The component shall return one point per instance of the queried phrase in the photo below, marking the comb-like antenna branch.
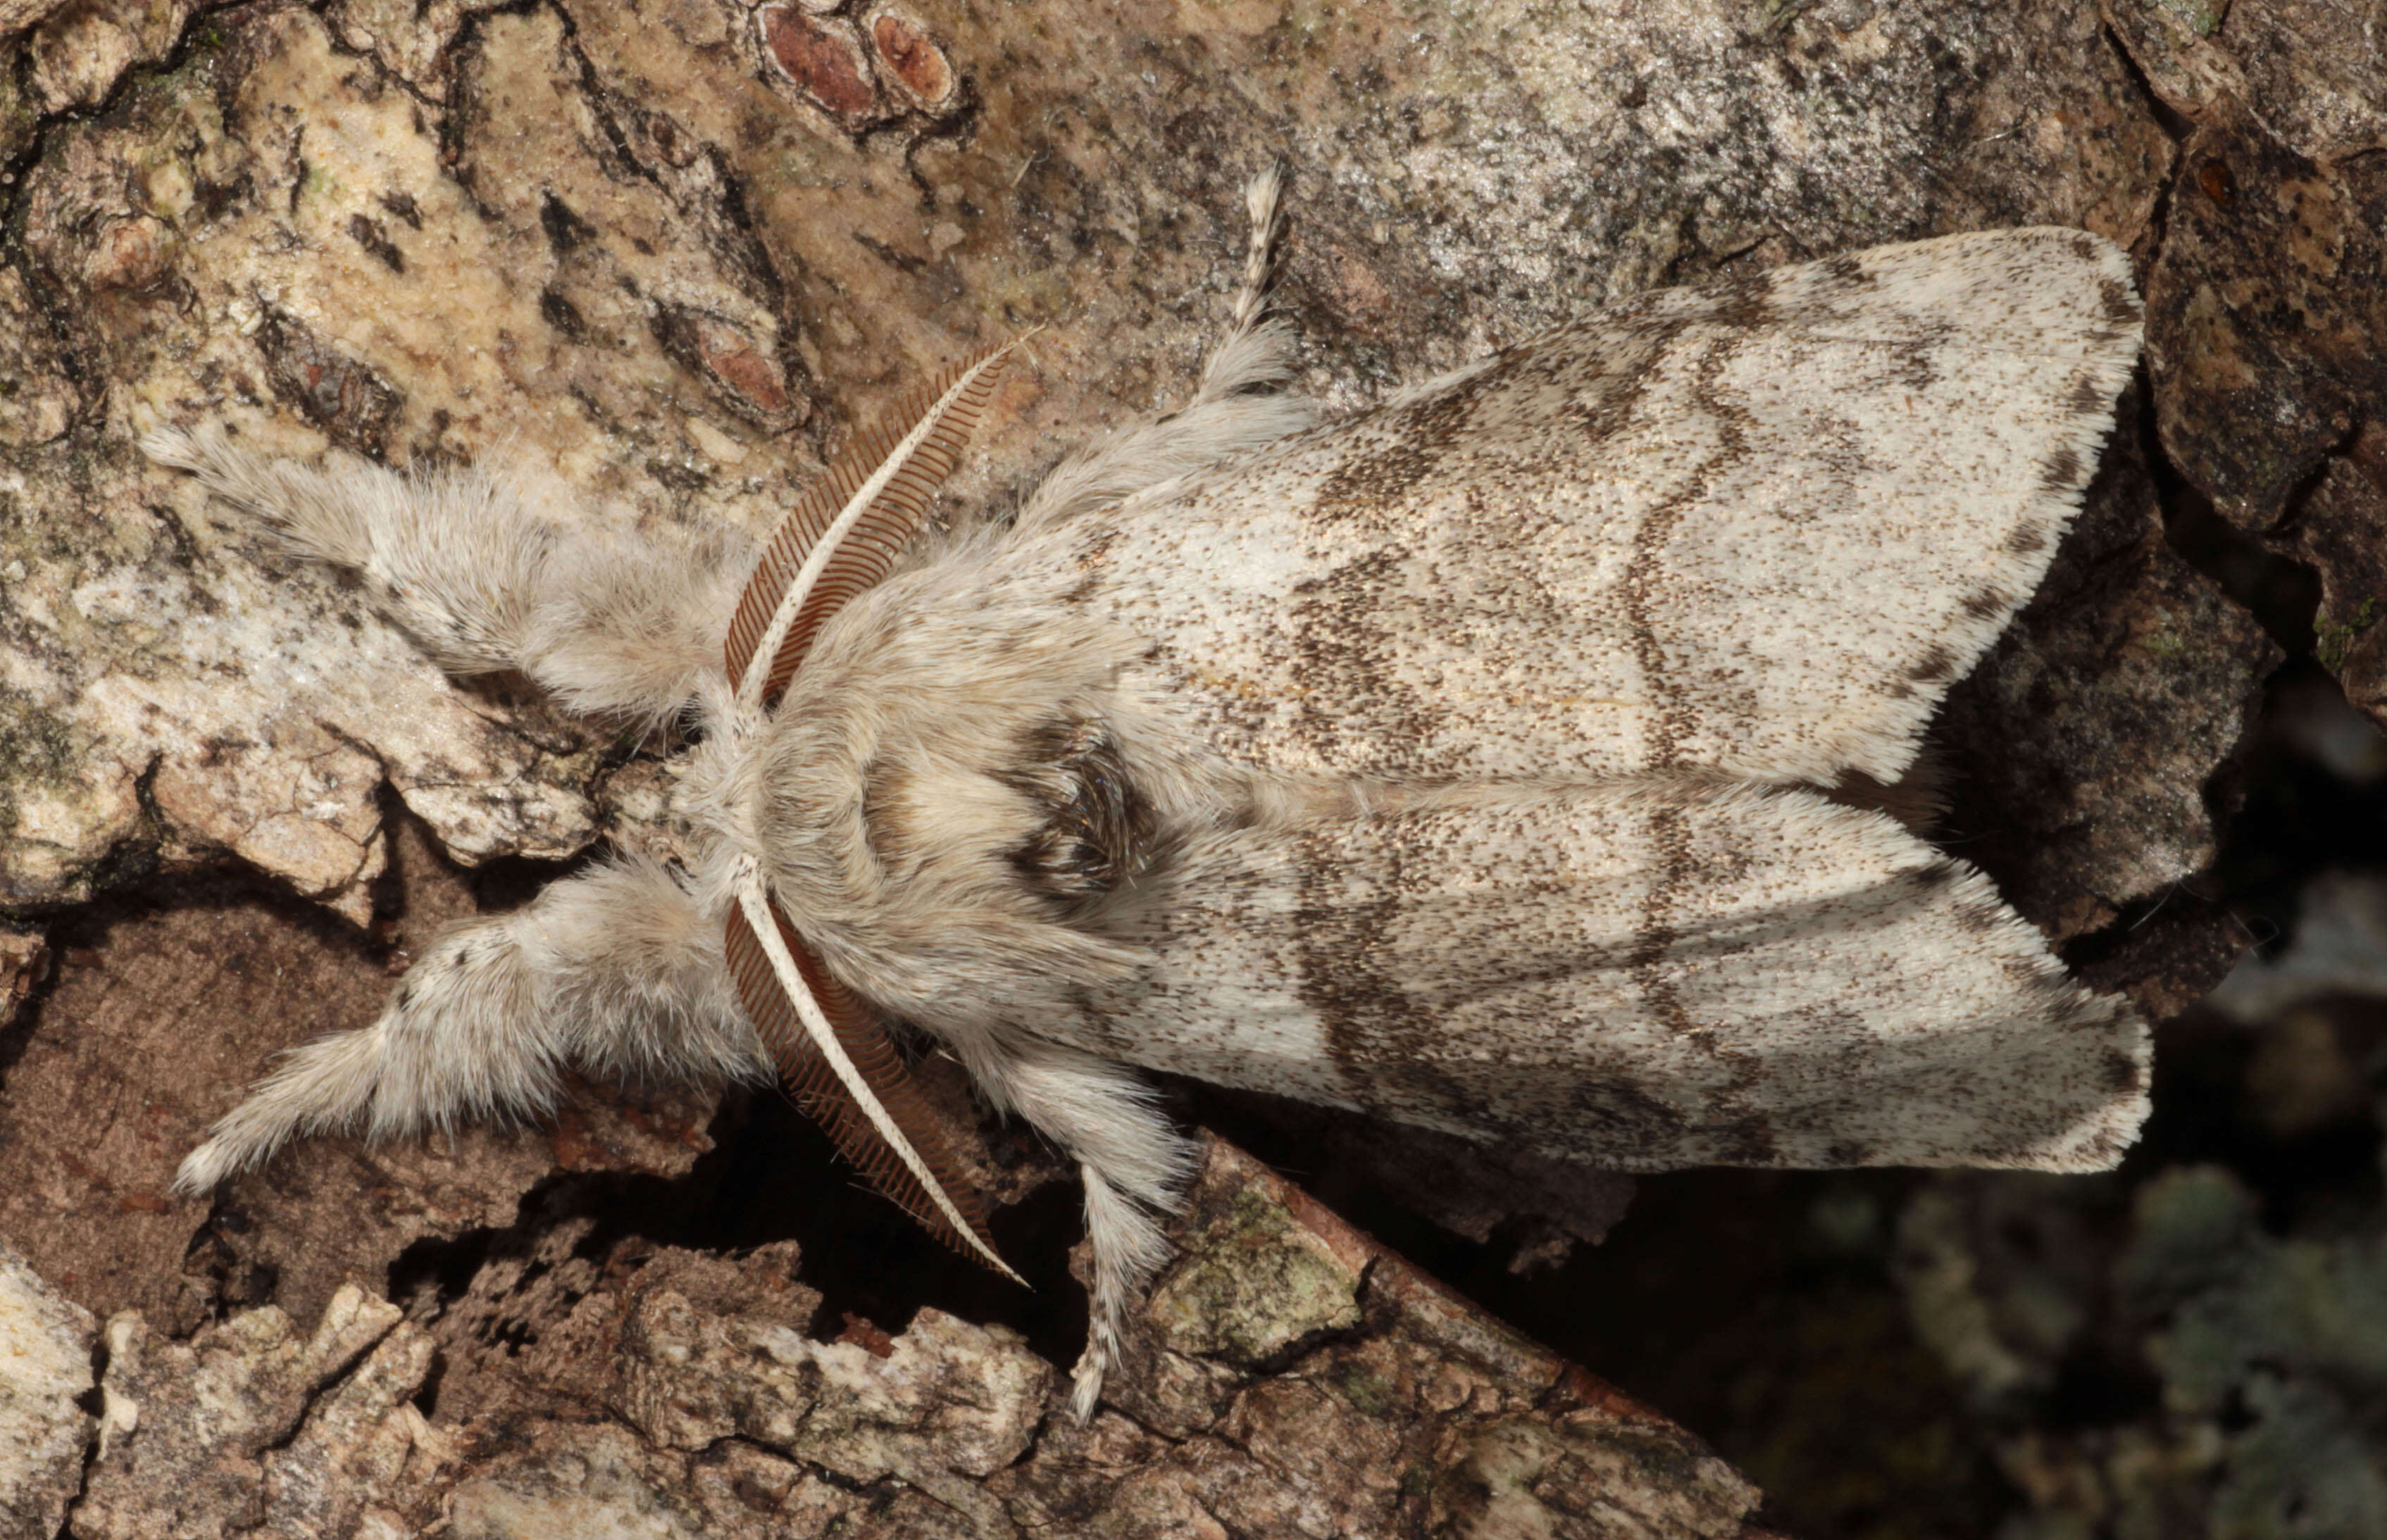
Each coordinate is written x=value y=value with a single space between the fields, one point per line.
x=754 y=904
x=860 y=544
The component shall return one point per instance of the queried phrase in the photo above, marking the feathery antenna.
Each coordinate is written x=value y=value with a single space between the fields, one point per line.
x=848 y=530
x=846 y=1075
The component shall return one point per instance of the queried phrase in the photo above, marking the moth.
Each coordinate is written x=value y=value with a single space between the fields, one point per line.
x=1492 y=760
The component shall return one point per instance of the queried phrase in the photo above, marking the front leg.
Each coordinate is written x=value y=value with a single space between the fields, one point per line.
x=616 y=970
x=482 y=567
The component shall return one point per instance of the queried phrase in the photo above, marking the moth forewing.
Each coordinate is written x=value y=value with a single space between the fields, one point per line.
x=1759 y=529
x=1641 y=974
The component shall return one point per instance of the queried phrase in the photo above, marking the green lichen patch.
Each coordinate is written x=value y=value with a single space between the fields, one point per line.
x=2255 y=1306
x=2281 y=1344
x=36 y=750
x=1365 y=1388
x=2333 y=641
x=17 y=117
x=2277 y=1348
x=1516 y=1476
x=1255 y=1283
x=39 y=753
x=2203 y=15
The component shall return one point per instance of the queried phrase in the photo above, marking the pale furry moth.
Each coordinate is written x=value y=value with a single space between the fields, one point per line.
x=1475 y=762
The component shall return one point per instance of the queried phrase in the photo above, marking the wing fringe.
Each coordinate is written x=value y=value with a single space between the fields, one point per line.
x=863 y=512
x=946 y=1205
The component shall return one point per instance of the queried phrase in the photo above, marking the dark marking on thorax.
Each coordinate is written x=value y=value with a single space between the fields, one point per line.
x=1097 y=831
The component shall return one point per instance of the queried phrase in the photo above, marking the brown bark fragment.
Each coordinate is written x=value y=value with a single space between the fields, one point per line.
x=2315 y=69
x=913 y=59
x=2127 y=677
x=2340 y=528
x=2263 y=314
x=822 y=55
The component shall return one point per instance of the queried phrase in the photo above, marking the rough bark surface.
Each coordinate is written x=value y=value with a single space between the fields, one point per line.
x=1293 y=1377
x=679 y=249
x=45 y=1347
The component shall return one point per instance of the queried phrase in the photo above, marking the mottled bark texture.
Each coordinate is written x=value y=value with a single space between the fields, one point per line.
x=678 y=249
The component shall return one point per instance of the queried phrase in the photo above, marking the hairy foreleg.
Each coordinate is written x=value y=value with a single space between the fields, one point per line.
x=614 y=970
x=1134 y=1166
x=477 y=564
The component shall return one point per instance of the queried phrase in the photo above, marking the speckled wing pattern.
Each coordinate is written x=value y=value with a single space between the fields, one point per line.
x=1579 y=621
x=1531 y=965
x=1759 y=529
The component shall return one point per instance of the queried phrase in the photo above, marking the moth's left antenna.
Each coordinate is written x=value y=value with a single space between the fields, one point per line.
x=846 y=533
x=848 y=1076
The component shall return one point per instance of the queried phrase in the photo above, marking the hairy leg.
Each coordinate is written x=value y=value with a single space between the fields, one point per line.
x=1132 y=1163
x=613 y=970
x=472 y=564
x=1236 y=408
